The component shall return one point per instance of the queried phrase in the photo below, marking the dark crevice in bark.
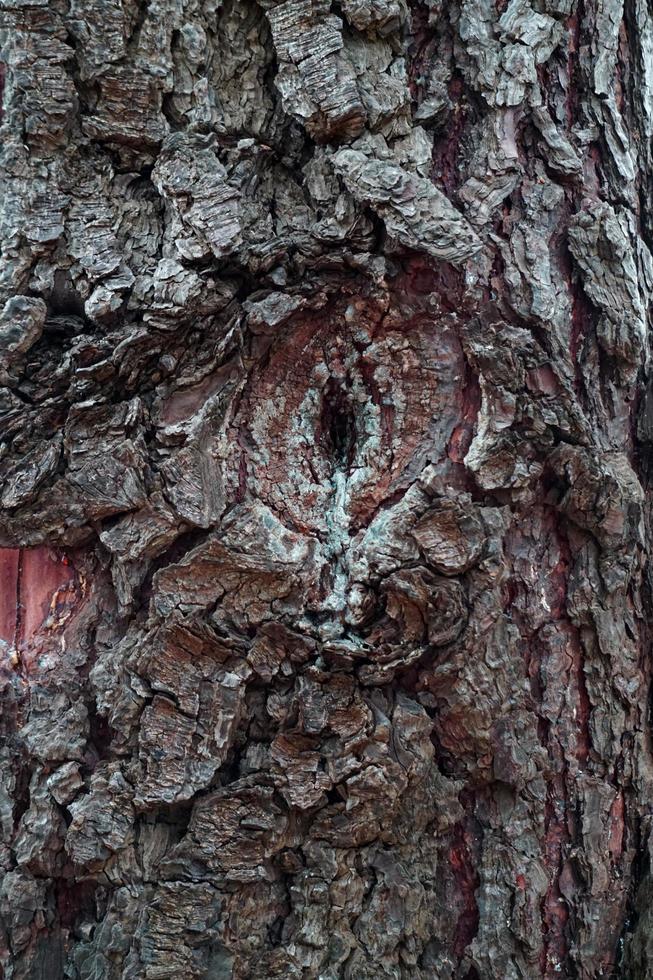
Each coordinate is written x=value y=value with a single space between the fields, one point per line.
x=338 y=423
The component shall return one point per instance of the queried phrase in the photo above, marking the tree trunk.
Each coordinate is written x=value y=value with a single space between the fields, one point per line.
x=325 y=514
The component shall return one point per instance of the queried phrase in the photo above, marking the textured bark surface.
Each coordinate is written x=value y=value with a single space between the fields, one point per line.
x=326 y=433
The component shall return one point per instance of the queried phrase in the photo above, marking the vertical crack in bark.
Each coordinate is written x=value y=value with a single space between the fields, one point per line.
x=339 y=424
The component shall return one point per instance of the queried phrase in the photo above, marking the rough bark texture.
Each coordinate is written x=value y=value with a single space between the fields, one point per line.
x=326 y=438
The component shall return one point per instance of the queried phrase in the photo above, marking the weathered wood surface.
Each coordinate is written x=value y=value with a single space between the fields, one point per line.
x=326 y=430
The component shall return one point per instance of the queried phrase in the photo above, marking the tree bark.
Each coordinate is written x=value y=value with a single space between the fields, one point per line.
x=326 y=425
